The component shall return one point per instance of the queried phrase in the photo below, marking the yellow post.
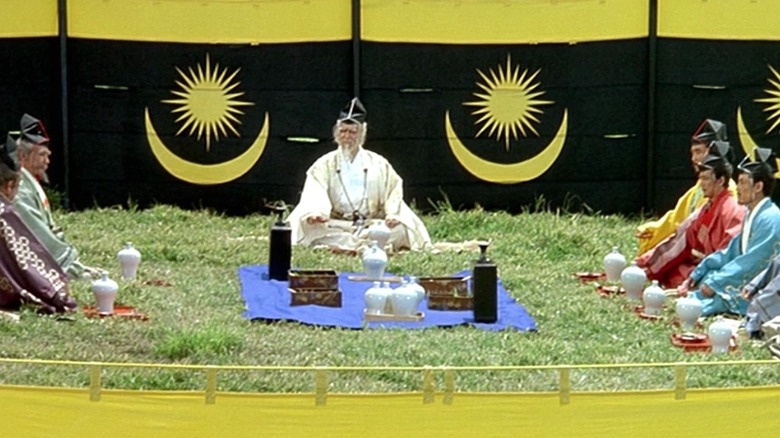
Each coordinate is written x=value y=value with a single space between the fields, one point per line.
x=321 y=386
x=428 y=385
x=564 y=383
x=211 y=386
x=679 y=382
x=94 y=382
x=449 y=386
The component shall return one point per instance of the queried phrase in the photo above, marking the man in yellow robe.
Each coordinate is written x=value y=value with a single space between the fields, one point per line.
x=652 y=233
x=348 y=188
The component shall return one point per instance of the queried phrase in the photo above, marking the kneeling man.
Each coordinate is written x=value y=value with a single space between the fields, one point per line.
x=347 y=188
x=718 y=280
x=707 y=230
x=28 y=273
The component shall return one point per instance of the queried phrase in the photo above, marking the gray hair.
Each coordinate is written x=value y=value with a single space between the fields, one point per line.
x=24 y=145
x=362 y=128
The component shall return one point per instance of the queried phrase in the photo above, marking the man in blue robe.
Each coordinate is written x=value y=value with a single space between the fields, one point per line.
x=718 y=280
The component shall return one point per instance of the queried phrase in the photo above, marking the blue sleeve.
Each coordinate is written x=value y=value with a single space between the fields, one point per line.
x=717 y=259
x=762 y=247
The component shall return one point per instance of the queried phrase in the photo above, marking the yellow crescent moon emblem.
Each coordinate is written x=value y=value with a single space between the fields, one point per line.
x=206 y=174
x=507 y=173
x=748 y=144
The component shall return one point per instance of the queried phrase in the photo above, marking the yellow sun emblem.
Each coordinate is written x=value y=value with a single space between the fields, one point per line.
x=207 y=104
x=509 y=103
x=773 y=100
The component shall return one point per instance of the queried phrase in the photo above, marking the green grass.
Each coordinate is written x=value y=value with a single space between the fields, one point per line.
x=197 y=319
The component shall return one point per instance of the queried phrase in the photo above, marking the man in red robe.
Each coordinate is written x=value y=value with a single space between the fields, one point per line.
x=28 y=273
x=707 y=230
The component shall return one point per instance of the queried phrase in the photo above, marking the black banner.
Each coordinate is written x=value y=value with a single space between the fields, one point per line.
x=497 y=105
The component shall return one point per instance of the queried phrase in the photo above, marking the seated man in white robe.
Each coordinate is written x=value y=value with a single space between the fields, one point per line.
x=348 y=188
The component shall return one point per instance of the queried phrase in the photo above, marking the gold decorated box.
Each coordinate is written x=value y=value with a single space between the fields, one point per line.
x=447 y=293
x=317 y=296
x=313 y=279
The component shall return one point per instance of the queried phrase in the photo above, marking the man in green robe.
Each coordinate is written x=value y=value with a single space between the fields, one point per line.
x=32 y=203
x=28 y=273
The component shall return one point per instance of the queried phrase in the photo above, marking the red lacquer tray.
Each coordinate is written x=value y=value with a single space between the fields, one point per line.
x=587 y=277
x=126 y=312
x=609 y=291
x=690 y=342
x=640 y=311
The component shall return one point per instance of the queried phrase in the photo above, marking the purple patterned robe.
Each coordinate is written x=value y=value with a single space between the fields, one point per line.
x=28 y=273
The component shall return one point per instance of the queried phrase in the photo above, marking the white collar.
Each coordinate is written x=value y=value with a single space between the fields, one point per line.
x=749 y=223
x=758 y=206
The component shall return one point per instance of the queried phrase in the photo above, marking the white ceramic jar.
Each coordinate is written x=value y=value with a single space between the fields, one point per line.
x=388 y=292
x=129 y=259
x=375 y=299
x=614 y=262
x=688 y=310
x=633 y=279
x=720 y=334
x=405 y=300
x=105 y=290
x=653 y=299
x=379 y=232
x=415 y=285
x=374 y=262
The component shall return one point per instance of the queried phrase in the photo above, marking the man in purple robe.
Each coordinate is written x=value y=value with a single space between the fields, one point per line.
x=28 y=273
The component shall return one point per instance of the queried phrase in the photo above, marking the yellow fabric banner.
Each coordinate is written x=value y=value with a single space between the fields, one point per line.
x=28 y=18
x=211 y=21
x=426 y=21
x=497 y=22
x=727 y=20
x=69 y=412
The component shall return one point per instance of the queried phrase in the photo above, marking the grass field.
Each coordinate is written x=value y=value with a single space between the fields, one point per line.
x=198 y=319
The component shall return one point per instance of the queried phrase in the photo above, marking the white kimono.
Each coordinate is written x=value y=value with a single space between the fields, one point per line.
x=337 y=188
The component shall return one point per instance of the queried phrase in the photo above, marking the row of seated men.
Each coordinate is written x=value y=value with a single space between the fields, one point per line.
x=36 y=260
x=344 y=191
x=715 y=247
x=718 y=248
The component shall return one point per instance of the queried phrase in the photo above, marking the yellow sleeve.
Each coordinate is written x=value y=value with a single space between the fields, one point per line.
x=666 y=224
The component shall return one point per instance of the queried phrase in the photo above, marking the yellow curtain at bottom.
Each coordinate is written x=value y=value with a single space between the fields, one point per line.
x=30 y=411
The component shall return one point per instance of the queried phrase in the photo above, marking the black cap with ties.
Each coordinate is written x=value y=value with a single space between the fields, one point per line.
x=764 y=161
x=353 y=112
x=33 y=130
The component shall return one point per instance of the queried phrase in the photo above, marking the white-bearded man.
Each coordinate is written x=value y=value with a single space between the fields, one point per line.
x=348 y=188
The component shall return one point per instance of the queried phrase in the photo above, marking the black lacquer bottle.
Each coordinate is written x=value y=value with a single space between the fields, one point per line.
x=280 y=248
x=484 y=278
